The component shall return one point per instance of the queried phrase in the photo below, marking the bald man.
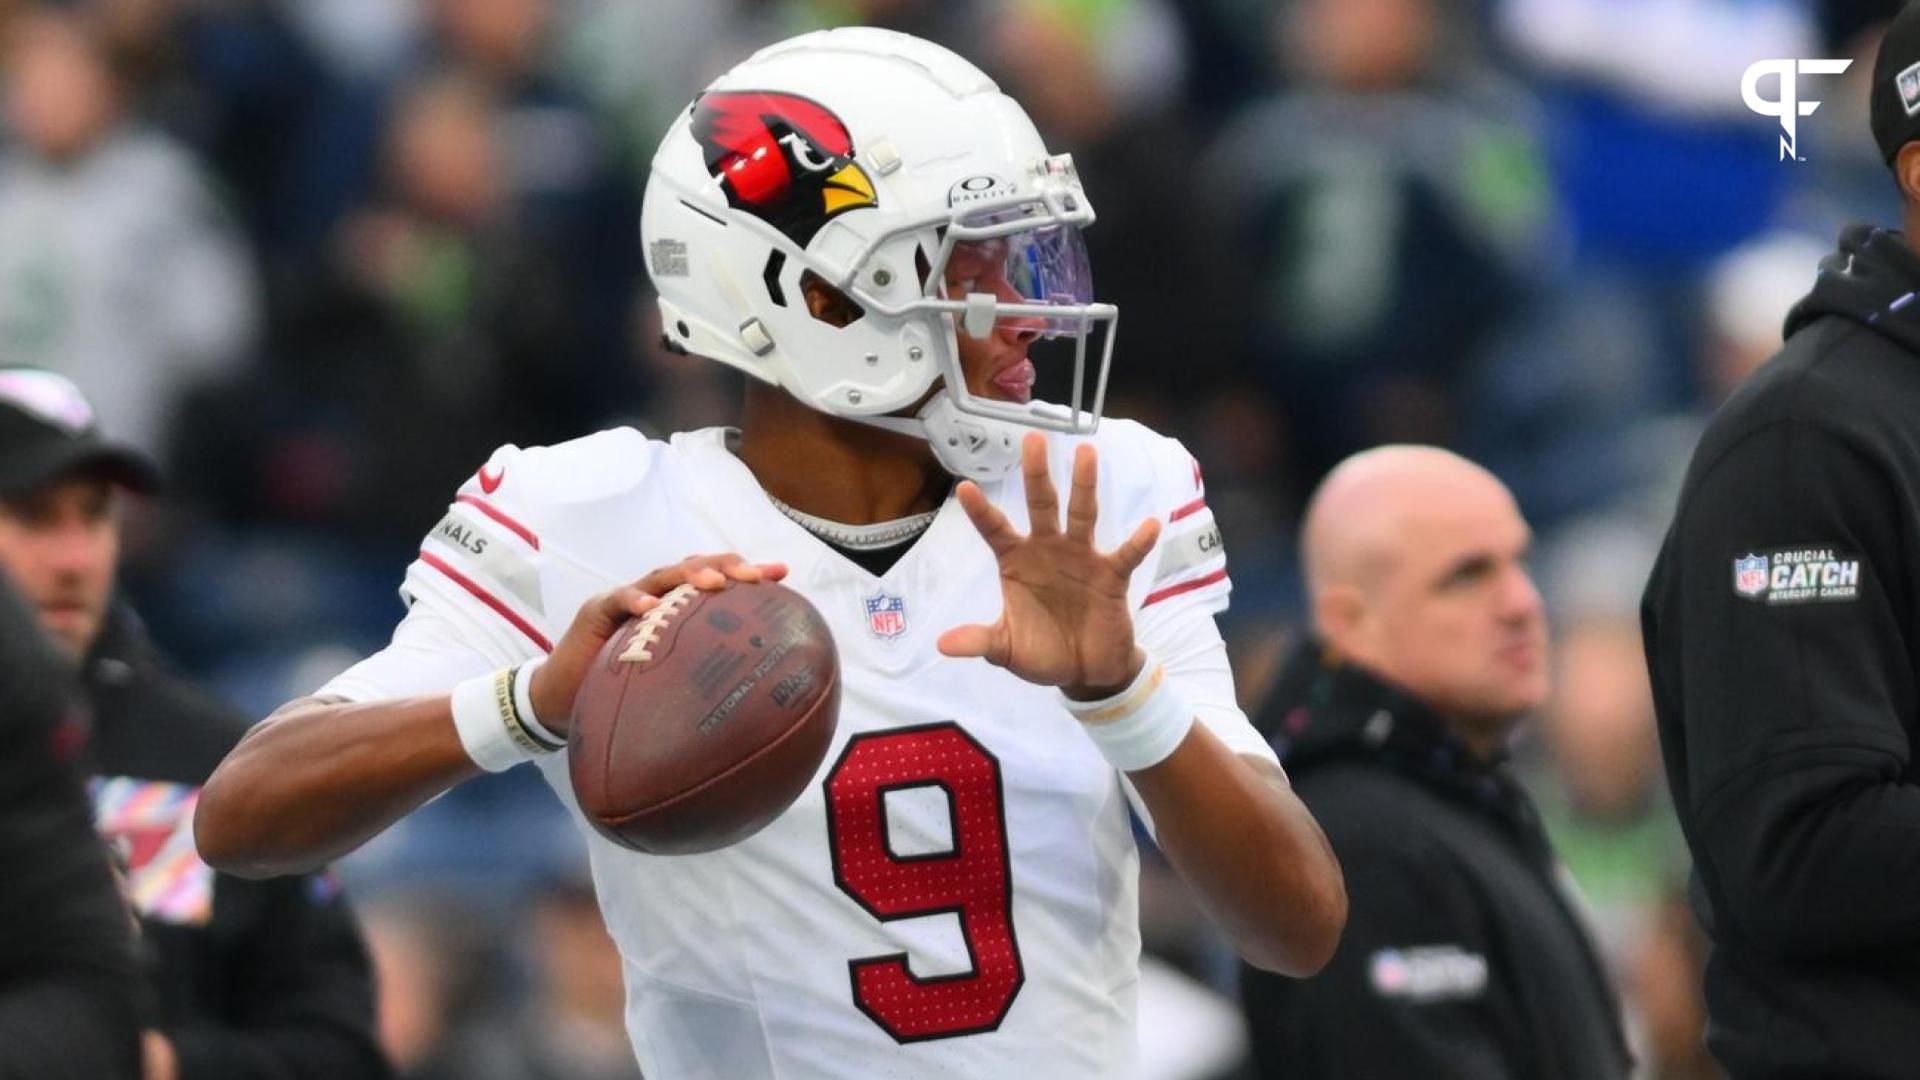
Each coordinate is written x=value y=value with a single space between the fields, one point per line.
x=1463 y=958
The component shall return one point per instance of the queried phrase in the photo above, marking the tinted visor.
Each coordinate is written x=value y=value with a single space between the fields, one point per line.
x=1045 y=265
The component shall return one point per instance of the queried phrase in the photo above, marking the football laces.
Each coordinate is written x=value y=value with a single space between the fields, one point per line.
x=639 y=648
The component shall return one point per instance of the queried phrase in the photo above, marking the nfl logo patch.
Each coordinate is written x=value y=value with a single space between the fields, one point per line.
x=1908 y=83
x=1750 y=575
x=886 y=616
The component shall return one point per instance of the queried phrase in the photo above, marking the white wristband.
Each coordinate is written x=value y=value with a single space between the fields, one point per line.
x=523 y=704
x=488 y=723
x=1139 y=726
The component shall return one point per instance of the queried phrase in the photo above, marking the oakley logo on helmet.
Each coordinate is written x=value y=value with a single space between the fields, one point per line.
x=782 y=158
x=1787 y=107
x=977 y=189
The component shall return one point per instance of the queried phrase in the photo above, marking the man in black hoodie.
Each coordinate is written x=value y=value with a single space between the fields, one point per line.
x=1782 y=630
x=1463 y=959
x=66 y=938
x=244 y=979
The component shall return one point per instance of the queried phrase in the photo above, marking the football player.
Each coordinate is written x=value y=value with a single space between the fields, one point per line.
x=862 y=222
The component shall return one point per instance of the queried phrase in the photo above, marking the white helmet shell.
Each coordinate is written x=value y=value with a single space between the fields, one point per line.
x=862 y=157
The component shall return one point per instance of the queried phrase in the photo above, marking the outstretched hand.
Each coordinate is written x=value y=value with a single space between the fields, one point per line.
x=1064 y=620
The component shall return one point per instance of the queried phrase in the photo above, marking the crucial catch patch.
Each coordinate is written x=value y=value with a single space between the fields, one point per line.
x=1801 y=575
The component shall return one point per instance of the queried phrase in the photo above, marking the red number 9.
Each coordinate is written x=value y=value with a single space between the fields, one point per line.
x=973 y=880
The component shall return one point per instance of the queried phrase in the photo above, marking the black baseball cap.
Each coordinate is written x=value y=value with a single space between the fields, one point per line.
x=1895 y=103
x=47 y=431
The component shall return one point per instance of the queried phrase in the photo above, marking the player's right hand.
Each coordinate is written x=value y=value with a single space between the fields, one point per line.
x=557 y=681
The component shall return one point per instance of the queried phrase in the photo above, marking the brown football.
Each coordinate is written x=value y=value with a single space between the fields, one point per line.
x=702 y=720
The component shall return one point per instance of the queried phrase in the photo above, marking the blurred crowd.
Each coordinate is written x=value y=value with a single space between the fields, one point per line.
x=322 y=257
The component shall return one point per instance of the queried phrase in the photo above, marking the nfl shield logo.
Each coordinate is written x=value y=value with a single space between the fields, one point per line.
x=1750 y=575
x=886 y=616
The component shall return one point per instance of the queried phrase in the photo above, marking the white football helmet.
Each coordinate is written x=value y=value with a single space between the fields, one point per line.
x=866 y=159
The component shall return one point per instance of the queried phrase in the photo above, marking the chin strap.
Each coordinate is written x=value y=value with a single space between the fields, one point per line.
x=970 y=447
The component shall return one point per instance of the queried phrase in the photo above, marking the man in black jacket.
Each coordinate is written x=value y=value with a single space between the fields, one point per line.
x=66 y=937
x=247 y=979
x=1782 y=630
x=1463 y=958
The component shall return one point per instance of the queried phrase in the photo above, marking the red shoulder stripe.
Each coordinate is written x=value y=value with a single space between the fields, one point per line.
x=500 y=516
x=1185 y=587
x=1188 y=510
x=488 y=599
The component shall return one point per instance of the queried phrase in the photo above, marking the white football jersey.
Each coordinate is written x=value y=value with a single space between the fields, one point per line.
x=954 y=895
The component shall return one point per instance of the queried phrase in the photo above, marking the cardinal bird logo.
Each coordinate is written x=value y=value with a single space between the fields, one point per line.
x=782 y=158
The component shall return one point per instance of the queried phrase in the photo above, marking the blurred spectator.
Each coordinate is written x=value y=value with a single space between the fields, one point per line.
x=571 y=1022
x=1387 y=212
x=1567 y=413
x=442 y=1016
x=1749 y=291
x=67 y=974
x=366 y=39
x=248 y=978
x=1605 y=474
x=1658 y=167
x=1462 y=957
x=1553 y=402
x=119 y=268
x=555 y=163
x=426 y=946
x=1603 y=801
x=1599 y=728
x=445 y=324
x=418 y=247
x=484 y=287
x=640 y=60
x=237 y=84
x=455 y=300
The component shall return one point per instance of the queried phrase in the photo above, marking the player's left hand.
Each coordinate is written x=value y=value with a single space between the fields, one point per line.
x=1064 y=620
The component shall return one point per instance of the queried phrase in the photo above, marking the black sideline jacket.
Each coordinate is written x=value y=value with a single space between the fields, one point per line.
x=1782 y=628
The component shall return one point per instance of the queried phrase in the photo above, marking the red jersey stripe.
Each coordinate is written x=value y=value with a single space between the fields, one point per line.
x=488 y=599
x=496 y=514
x=1185 y=587
x=1188 y=510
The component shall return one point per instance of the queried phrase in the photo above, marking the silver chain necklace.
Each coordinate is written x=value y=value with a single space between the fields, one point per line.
x=882 y=534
